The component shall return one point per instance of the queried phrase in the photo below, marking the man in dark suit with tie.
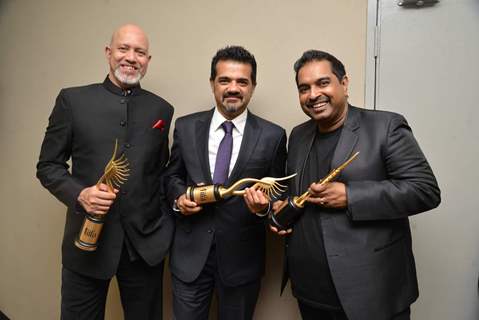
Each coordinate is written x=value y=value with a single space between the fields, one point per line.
x=83 y=126
x=222 y=245
x=349 y=255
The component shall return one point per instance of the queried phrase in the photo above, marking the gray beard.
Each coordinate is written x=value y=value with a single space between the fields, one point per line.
x=231 y=109
x=128 y=80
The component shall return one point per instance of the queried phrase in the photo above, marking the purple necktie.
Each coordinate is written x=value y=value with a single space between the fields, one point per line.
x=223 y=157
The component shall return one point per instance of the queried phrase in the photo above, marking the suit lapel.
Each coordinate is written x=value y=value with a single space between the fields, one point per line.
x=348 y=138
x=303 y=152
x=251 y=135
x=202 y=128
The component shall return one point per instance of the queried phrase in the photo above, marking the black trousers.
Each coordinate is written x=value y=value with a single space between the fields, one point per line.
x=311 y=313
x=140 y=291
x=191 y=301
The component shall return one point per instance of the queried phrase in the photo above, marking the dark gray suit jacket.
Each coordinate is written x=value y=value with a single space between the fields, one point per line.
x=239 y=235
x=83 y=126
x=368 y=245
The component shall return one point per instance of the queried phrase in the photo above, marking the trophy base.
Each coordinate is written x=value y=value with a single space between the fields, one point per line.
x=276 y=224
x=204 y=194
x=85 y=246
x=286 y=216
x=90 y=232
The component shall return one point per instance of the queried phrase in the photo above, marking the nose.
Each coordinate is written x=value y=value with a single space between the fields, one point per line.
x=233 y=87
x=130 y=56
x=315 y=93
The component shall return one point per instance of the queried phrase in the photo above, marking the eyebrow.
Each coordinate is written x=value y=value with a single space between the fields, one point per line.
x=324 y=78
x=229 y=78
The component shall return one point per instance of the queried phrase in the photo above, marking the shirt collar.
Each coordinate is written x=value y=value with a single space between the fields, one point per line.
x=113 y=88
x=239 y=122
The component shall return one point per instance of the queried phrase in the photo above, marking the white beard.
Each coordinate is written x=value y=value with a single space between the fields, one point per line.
x=127 y=79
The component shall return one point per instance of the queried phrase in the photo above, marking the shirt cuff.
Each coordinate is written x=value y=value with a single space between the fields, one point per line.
x=175 y=207
x=264 y=212
x=176 y=211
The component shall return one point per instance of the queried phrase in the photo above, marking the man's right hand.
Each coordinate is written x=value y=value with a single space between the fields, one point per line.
x=97 y=199
x=186 y=206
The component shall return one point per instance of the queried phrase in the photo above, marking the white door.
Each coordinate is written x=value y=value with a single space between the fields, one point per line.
x=423 y=62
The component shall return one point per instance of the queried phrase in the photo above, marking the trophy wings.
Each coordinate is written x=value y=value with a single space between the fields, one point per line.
x=116 y=170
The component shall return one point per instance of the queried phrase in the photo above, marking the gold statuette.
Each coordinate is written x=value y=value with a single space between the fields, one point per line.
x=213 y=193
x=115 y=174
x=292 y=208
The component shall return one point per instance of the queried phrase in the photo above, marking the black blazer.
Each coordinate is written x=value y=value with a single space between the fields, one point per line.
x=83 y=126
x=239 y=235
x=368 y=245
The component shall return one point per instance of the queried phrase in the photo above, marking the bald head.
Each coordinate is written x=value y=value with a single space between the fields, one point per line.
x=129 y=29
x=128 y=55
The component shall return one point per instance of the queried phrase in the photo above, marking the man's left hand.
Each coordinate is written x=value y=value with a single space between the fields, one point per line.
x=329 y=195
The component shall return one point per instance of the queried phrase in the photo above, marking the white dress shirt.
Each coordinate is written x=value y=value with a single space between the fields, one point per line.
x=217 y=133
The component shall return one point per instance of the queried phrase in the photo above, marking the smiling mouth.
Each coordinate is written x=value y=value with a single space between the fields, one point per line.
x=128 y=67
x=317 y=106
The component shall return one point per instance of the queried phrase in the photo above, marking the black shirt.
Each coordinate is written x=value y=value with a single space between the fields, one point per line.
x=307 y=262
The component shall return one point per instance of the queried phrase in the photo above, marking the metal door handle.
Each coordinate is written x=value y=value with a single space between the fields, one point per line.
x=417 y=3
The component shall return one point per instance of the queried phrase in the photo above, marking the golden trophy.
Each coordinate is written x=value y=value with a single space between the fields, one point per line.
x=213 y=193
x=292 y=208
x=115 y=174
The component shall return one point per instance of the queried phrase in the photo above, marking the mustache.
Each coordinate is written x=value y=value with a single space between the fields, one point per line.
x=319 y=99
x=232 y=95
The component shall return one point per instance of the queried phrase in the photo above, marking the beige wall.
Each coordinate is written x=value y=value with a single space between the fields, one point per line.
x=47 y=45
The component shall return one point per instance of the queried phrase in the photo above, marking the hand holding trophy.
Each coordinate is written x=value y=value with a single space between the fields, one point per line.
x=115 y=174
x=292 y=208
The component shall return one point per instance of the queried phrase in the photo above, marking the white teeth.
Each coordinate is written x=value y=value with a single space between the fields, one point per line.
x=319 y=105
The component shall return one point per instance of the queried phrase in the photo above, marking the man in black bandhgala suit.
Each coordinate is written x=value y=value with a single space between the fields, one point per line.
x=136 y=235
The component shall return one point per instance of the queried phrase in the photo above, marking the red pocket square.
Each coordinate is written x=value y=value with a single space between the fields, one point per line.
x=160 y=124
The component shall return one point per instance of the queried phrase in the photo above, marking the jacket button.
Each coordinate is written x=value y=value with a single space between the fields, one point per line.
x=122 y=123
x=127 y=145
x=122 y=100
x=210 y=231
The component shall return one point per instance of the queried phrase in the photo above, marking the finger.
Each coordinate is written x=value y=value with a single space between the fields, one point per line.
x=105 y=195
x=102 y=193
x=189 y=204
x=248 y=196
x=255 y=196
x=102 y=202
x=190 y=211
x=103 y=187
x=101 y=211
x=317 y=200
x=277 y=205
x=261 y=198
x=317 y=187
x=274 y=229
x=102 y=208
